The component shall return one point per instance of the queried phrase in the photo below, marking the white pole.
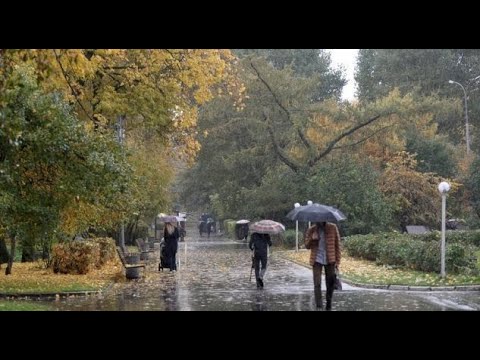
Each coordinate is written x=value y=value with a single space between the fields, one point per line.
x=120 y=136
x=444 y=202
x=122 y=237
x=185 y=244
x=296 y=235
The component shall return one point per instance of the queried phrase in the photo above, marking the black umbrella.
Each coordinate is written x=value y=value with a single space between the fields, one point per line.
x=316 y=213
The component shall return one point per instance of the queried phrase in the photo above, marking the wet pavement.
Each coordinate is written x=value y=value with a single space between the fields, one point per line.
x=214 y=275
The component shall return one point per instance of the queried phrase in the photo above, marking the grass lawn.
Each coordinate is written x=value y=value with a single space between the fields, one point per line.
x=32 y=277
x=367 y=272
x=13 y=305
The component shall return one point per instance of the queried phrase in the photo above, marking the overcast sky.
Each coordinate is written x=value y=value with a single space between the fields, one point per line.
x=348 y=58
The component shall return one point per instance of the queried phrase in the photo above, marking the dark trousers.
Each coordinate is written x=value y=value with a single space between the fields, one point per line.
x=329 y=280
x=256 y=261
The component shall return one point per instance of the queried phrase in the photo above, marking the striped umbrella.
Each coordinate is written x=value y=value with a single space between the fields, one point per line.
x=168 y=218
x=267 y=227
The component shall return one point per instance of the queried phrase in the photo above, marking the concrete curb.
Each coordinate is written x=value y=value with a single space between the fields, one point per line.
x=394 y=287
x=56 y=294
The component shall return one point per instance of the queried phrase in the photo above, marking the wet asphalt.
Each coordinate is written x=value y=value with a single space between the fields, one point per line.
x=214 y=275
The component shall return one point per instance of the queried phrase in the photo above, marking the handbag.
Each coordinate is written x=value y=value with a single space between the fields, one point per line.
x=338 y=282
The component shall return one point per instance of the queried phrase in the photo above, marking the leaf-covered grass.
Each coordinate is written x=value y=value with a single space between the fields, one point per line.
x=13 y=305
x=367 y=272
x=34 y=278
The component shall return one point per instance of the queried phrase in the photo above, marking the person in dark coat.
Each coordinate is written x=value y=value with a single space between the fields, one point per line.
x=259 y=245
x=170 y=236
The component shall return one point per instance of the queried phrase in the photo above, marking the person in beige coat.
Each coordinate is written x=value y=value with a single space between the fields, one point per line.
x=323 y=240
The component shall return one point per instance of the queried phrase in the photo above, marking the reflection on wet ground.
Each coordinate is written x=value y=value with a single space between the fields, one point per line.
x=214 y=274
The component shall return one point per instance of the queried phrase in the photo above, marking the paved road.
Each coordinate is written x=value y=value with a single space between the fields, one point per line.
x=214 y=276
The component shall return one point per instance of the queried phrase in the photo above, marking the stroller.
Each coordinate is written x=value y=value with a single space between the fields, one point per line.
x=164 y=263
x=164 y=260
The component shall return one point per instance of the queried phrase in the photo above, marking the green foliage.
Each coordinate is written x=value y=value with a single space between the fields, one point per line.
x=424 y=72
x=352 y=187
x=403 y=250
x=473 y=185
x=433 y=155
x=229 y=226
x=48 y=160
x=462 y=237
x=289 y=239
x=305 y=63
x=236 y=150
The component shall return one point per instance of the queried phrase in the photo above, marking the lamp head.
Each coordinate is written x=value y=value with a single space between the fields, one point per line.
x=444 y=187
x=309 y=202
x=296 y=205
x=450 y=81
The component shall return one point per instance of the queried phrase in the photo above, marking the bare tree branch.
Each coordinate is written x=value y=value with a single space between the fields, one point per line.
x=364 y=139
x=275 y=97
x=332 y=144
x=74 y=92
x=278 y=150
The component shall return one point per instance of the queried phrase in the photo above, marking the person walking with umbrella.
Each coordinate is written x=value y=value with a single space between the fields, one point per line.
x=323 y=240
x=259 y=243
x=171 y=235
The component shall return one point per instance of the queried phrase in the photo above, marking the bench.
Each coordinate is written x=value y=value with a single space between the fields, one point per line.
x=132 y=271
x=143 y=248
x=417 y=229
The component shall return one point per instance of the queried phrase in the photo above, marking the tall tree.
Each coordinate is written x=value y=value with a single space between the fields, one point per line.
x=48 y=160
x=306 y=63
x=156 y=91
x=425 y=71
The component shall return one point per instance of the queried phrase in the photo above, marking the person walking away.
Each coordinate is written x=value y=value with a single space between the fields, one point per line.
x=323 y=240
x=258 y=244
x=209 y=226
x=171 y=236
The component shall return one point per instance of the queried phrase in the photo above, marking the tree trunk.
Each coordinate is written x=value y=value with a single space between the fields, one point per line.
x=28 y=253
x=8 y=270
x=3 y=252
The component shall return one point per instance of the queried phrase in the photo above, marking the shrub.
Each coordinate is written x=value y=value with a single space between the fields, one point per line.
x=289 y=239
x=229 y=226
x=418 y=252
x=76 y=257
x=107 y=249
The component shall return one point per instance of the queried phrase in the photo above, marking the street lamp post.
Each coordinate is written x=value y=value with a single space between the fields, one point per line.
x=120 y=138
x=296 y=230
x=467 y=131
x=443 y=187
x=309 y=202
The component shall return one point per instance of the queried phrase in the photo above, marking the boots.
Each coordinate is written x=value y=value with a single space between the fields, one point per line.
x=318 y=297
x=329 y=303
x=260 y=278
x=259 y=283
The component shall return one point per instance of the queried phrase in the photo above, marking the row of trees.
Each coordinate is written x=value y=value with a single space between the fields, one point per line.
x=62 y=169
x=268 y=126
x=379 y=159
